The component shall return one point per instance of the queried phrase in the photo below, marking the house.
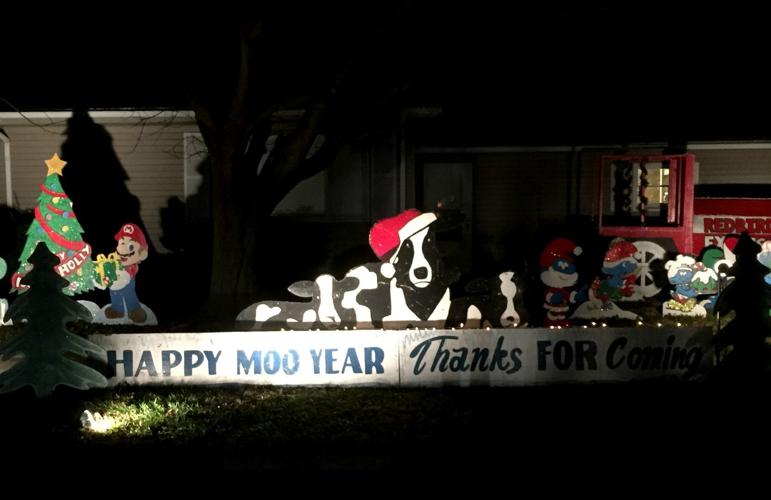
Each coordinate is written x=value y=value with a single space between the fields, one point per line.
x=496 y=196
x=153 y=147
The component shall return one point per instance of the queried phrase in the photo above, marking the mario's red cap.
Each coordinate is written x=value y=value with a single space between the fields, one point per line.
x=132 y=231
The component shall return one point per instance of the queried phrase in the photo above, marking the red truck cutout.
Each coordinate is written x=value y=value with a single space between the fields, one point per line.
x=653 y=197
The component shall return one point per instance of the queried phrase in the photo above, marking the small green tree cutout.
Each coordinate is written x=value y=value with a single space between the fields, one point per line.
x=43 y=313
x=749 y=296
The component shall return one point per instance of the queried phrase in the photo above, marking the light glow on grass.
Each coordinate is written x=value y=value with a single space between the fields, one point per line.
x=95 y=422
x=138 y=418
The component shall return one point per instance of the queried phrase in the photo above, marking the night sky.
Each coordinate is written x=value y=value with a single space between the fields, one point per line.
x=539 y=74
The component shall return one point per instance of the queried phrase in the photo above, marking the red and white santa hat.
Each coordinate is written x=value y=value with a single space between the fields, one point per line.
x=387 y=235
x=559 y=249
x=729 y=247
x=132 y=231
x=621 y=250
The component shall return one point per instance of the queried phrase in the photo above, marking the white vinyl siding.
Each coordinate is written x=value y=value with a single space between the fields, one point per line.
x=734 y=166
x=151 y=154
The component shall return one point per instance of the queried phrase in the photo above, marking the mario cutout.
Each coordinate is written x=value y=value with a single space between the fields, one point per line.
x=620 y=264
x=559 y=274
x=117 y=273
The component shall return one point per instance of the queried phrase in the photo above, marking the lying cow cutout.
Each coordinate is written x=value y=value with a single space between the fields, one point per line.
x=407 y=288
x=320 y=312
x=418 y=286
x=493 y=302
x=365 y=306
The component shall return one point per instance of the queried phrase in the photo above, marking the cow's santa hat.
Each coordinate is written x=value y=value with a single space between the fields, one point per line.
x=619 y=251
x=559 y=249
x=387 y=235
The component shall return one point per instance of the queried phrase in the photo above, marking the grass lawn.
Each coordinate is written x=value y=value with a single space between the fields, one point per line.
x=360 y=431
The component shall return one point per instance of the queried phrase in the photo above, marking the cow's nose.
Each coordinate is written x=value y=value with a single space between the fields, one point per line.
x=421 y=273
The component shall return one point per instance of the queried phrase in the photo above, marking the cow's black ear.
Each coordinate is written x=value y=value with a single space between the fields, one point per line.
x=303 y=288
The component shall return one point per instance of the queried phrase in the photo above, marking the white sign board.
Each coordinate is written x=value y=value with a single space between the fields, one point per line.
x=266 y=358
x=498 y=357
x=537 y=356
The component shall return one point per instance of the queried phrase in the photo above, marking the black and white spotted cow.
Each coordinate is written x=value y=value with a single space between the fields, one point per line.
x=365 y=305
x=409 y=287
x=495 y=302
x=418 y=291
x=321 y=311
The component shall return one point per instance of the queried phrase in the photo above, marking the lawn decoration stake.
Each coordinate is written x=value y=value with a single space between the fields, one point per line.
x=43 y=311
x=55 y=225
x=118 y=272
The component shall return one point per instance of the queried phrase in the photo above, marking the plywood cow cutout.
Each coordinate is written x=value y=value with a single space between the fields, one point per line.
x=408 y=287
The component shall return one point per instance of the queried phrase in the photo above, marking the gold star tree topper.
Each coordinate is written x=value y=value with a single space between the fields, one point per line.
x=55 y=165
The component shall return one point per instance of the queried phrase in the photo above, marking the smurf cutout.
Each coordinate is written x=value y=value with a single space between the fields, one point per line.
x=559 y=274
x=620 y=264
x=690 y=279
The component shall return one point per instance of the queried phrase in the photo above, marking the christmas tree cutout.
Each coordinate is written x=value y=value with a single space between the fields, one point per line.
x=55 y=225
x=43 y=312
x=749 y=297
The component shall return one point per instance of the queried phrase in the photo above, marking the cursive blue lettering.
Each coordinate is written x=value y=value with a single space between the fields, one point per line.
x=456 y=359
